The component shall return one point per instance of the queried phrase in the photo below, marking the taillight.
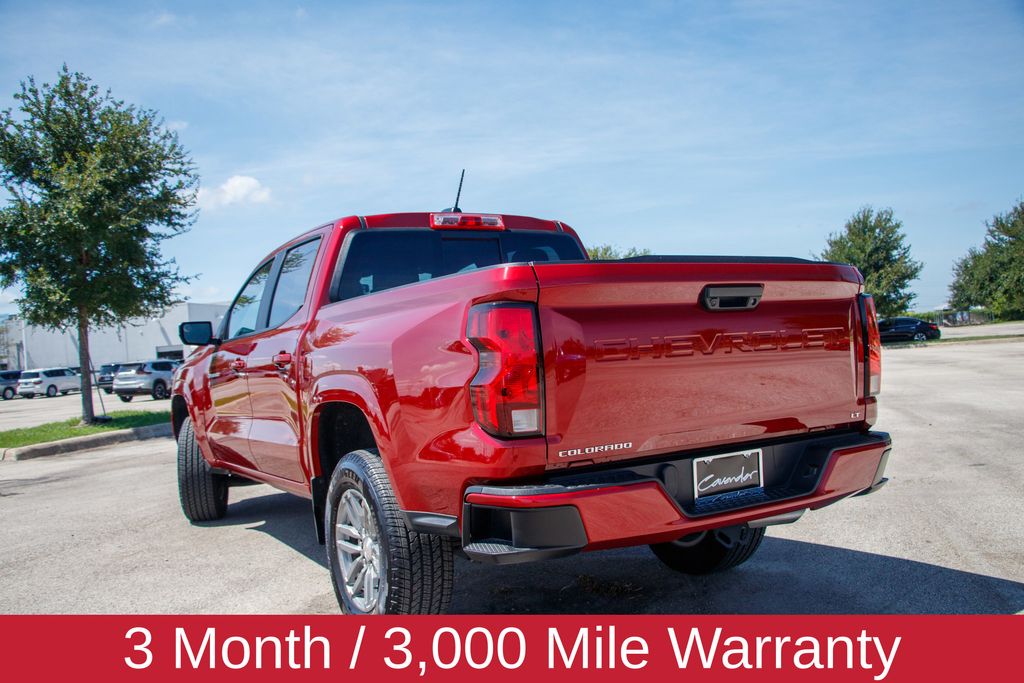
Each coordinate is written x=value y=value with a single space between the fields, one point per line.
x=872 y=346
x=508 y=391
x=933 y=326
x=466 y=221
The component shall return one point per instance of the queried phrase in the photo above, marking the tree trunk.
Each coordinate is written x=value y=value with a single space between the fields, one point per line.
x=85 y=366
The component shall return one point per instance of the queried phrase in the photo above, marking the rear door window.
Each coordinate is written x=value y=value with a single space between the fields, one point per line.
x=290 y=291
x=162 y=366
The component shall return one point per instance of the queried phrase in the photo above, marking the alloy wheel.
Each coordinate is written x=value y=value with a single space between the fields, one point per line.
x=360 y=555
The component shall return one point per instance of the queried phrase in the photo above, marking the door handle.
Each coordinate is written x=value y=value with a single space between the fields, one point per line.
x=237 y=365
x=282 y=359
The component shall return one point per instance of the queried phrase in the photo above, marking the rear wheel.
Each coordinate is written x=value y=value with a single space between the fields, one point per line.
x=707 y=552
x=159 y=391
x=127 y=398
x=920 y=336
x=51 y=391
x=379 y=566
x=8 y=393
x=203 y=493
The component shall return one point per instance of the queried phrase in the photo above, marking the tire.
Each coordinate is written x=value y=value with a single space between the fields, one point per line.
x=414 y=571
x=160 y=391
x=127 y=398
x=8 y=394
x=64 y=393
x=51 y=391
x=920 y=336
x=203 y=493
x=711 y=551
x=108 y=391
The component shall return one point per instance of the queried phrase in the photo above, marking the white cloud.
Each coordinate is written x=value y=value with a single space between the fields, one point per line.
x=238 y=189
x=165 y=19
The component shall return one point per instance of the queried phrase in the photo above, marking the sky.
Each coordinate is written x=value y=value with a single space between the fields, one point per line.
x=752 y=128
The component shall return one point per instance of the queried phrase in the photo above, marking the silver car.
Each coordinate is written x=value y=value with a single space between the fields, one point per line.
x=48 y=382
x=144 y=378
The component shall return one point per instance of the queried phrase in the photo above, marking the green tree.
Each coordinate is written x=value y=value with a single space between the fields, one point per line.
x=94 y=186
x=874 y=242
x=608 y=252
x=993 y=276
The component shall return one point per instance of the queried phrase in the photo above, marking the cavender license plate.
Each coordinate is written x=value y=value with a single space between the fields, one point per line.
x=727 y=472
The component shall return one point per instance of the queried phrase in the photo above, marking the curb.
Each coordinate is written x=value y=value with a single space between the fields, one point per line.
x=81 y=443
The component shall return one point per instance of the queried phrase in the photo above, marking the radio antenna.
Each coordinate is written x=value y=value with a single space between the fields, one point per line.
x=455 y=208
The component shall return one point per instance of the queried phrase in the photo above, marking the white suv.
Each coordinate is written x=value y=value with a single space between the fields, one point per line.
x=47 y=382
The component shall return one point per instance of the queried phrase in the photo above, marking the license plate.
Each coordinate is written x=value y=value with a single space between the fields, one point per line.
x=728 y=472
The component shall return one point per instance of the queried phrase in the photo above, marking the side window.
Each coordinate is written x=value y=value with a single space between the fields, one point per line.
x=290 y=292
x=243 y=313
x=162 y=367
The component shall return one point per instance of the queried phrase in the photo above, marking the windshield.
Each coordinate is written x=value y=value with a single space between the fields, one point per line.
x=108 y=368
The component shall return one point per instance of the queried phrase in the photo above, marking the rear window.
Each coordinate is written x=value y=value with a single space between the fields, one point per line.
x=379 y=260
x=108 y=368
x=129 y=367
x=30 y=375
x=9 y=375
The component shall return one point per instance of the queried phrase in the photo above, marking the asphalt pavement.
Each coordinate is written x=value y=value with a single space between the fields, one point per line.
x=102 y=531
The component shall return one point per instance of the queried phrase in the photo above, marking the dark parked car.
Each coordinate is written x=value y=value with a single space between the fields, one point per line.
x=9 y=383
x=907 y=329
x=105 y=377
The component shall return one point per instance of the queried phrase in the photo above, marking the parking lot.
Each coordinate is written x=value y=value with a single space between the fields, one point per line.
x=102 y=531
x=27 y=413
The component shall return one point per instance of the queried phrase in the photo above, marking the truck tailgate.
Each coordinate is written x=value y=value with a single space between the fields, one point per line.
x=635 y=364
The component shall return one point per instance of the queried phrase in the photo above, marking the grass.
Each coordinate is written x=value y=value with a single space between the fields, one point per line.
x=55 y=431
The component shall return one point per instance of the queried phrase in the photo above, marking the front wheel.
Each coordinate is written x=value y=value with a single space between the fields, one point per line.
x=203 y=493
x=127 y=398
x=379 y=566
x=707 y=552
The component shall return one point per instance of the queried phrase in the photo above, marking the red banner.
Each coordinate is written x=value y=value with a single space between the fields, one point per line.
x=843 y=648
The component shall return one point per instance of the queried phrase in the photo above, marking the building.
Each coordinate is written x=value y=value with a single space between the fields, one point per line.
x=23 y=347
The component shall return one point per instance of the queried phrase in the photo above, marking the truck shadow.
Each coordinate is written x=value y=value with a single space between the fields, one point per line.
x=784 y=577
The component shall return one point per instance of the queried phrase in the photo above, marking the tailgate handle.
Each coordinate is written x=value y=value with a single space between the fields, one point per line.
x=731 y=297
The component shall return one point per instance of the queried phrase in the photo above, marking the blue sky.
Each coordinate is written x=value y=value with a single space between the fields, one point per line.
x=719 y=127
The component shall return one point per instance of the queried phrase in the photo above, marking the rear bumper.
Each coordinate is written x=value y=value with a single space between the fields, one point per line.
x=132 y=390
x=637 y=504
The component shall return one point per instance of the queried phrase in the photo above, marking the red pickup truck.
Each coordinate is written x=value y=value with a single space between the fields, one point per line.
x=450 y=382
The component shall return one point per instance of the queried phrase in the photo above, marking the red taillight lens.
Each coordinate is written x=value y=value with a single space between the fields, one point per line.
x=872 y=347
x=933 y=326
x=466 y=221
x=507 y=392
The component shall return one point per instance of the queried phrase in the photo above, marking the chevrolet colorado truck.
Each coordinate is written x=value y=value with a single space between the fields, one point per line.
x=441 y=383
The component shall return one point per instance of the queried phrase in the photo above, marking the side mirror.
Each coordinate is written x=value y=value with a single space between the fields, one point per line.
x=197 y=333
